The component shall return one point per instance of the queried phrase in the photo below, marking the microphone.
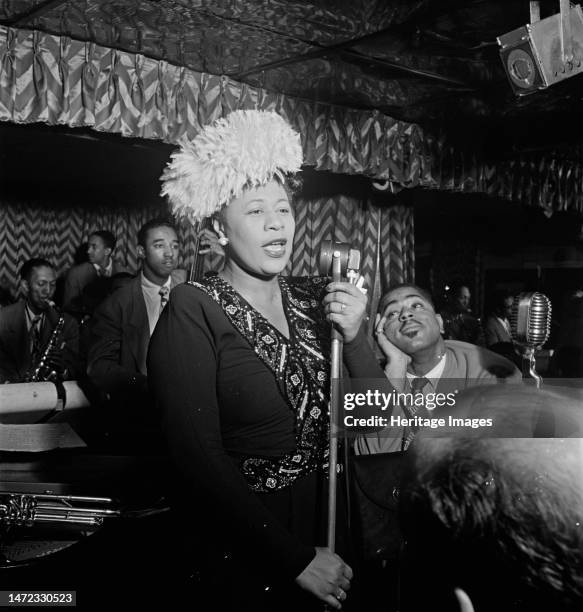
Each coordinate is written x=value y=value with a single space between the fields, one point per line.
x=334 y=255
x=530 y=321
x=530 y=325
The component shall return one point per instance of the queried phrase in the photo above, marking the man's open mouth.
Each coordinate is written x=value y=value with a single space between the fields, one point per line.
x=410 y=331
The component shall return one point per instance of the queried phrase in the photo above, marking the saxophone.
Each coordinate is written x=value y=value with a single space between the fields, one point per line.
x=49 y=367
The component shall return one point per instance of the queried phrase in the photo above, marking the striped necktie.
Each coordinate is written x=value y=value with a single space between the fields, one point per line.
x=417 y=386
x=35 y=337
x=163 y=293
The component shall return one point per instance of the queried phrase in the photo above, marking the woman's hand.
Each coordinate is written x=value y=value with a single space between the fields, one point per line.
x=209 y=243
x=327 y=577
x=345 y=305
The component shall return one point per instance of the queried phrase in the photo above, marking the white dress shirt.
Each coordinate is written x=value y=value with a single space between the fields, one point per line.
x=151 y=293
x=107 y=271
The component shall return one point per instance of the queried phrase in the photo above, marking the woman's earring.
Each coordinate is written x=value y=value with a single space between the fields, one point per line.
x=223 y=240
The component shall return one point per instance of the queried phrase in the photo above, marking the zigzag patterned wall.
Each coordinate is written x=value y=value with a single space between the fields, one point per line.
x=35 y=229
x=383 y=235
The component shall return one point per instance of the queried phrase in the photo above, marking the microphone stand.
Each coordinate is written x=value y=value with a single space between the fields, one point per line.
x=335 y=375
x=529 y=360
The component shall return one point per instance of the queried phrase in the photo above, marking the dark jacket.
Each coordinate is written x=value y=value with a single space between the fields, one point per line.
x=119 y=340
x=84 y=290
x=15 y=356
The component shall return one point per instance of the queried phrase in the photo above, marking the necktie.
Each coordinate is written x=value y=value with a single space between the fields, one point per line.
x=35 y=339
x=163 y=293
x=418 y=384
x=416 y=409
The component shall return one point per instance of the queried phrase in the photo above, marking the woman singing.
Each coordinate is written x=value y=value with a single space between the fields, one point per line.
x=239 y=364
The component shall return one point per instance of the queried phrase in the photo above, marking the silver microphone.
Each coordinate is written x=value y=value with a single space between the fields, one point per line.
x=530 y=321
x=530 y=324
x=348 y=259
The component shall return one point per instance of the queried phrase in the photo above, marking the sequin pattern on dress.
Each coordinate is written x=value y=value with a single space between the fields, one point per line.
x=300 y=368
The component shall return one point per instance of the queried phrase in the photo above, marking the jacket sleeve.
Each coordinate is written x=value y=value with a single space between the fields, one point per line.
x=183 y=357
x=359 y=357
x=8 y=371
x=491 y=332
x=71 y=290
x=71 y=352
x=104 y=366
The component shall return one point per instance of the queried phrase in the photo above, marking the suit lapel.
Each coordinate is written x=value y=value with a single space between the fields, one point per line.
x=20 y=340
x=139 y=328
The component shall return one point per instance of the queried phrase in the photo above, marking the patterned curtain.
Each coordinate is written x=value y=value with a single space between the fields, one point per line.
x=62 y=81
x=383 y=235
x=35 y=229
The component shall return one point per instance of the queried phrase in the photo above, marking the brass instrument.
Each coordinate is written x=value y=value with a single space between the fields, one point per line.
x=49 y=367
x=30 y=510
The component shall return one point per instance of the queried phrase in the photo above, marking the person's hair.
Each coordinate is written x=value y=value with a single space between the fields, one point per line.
x=31 y=264
x=153 y=224
x=498 y=299
x=455 y=288
x=107 y=237
x=502 y=516
x=422 y=292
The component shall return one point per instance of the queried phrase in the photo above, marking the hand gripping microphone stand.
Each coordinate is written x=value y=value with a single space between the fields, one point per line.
x=340 y=262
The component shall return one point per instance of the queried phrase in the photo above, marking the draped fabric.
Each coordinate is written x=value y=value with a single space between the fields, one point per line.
x=384 y=235
x=61 y=81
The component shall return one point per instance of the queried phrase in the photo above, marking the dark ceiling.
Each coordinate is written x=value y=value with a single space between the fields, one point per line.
x=433 y=62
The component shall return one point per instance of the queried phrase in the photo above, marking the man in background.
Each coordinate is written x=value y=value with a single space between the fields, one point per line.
x=26 y=328
x=497 y=326
x=459 y=323
x=88 y=283
x=122 y=325
x=419 y=360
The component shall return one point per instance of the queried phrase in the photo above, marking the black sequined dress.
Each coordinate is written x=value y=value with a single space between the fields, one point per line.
x=246 y=417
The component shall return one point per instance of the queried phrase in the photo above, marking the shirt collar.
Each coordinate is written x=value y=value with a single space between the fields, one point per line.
x=30 y=316
x=434 y=374
x=149 y=285
x=108 y=269
x=504 y=321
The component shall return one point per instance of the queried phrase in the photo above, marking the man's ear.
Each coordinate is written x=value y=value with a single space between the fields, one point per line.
x=440 y=321
x=25 y=286
x=464 y=601
x=109 y=252
x=141 y=252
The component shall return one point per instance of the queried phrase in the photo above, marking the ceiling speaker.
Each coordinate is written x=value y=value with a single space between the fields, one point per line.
x=533 y=54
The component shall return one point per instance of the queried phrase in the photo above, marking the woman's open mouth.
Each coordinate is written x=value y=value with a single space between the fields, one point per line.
x=275 y=248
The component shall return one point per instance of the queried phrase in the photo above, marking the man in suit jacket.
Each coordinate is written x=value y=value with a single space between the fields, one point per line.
x=87 y=284
x=27 y=326
x=409 y=332
x=122 y=325
x=497 y=327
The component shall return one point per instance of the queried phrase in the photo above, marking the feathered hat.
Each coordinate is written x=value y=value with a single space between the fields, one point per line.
x=248 y=148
